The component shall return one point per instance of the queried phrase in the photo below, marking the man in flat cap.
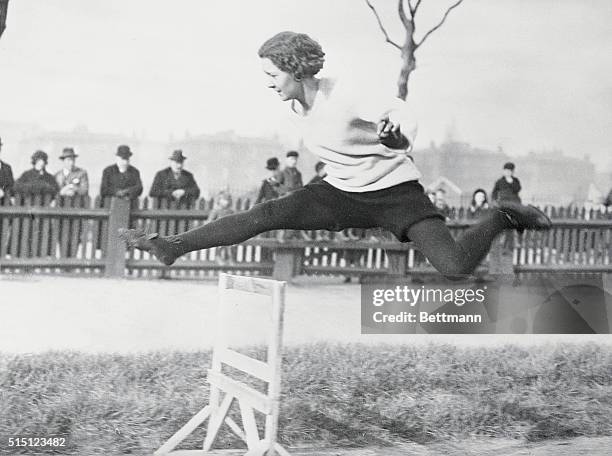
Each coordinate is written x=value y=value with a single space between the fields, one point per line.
x=72 y=180
x=507 y=187
x=121 y=179
x=6 y=180
x=37 y=181
x=174 y=182
x=290 y=178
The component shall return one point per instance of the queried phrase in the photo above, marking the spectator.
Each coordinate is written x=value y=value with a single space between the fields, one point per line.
x=223 y=207
x=6 y=192
x=440 y=203
x=270 y=187
x=72 y=181
x=608 y=200
x=37 y=181
x=507 y=187
x=479 y=203
x=431 y=195
x=6 y=180
x=121 y=179
x=290 y=178
x=320 y=173
x=321 y=235
x=175 y=182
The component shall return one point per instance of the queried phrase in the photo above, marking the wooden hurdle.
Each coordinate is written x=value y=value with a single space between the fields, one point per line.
x=249 y=400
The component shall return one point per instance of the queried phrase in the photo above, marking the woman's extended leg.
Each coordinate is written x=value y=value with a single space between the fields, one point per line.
x=458 y=258
x=297 y=210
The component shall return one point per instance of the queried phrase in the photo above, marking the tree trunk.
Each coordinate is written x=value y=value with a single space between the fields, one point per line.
x=408 y=65
x=3 y=12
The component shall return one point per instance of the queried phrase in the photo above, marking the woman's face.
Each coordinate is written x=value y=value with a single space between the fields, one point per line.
x=282 y=82
x=479 y=198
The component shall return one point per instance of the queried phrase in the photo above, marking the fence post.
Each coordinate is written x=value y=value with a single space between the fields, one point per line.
x=287 y=263
x=397 y=262
x=119 y=217
x=500 y=262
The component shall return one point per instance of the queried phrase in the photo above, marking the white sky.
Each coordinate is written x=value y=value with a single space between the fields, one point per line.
x=523 y=74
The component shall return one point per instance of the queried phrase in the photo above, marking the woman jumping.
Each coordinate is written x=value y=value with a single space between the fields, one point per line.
x=371 y=182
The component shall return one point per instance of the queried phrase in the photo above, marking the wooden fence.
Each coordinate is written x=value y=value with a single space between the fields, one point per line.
x=78 y=236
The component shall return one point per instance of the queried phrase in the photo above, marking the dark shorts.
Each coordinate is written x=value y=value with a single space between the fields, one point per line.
x=395 y=208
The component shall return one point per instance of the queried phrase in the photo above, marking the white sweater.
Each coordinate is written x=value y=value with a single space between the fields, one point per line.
x=342 y=133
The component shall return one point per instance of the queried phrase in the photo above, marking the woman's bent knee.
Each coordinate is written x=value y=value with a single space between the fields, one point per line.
x=454 y=269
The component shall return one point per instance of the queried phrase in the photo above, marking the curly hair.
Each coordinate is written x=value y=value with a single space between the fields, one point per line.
x=295 y=53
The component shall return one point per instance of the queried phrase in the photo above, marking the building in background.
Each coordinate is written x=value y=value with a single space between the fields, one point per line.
x=228 y=161
x=546 y=177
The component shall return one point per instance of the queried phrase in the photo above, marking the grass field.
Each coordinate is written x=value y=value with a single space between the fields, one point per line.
x=333 y=395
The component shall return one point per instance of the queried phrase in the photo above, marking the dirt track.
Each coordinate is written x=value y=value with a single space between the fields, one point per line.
x=100 y=315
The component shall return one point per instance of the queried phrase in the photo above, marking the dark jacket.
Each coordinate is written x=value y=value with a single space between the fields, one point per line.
x=504 y=191
x=6 y=180
x=34 y=182
x=608 y=201
x=290 y=179
x=475 y=212
x=269 y=190
x=165 y=183
x=116 y=183
x=316 y=179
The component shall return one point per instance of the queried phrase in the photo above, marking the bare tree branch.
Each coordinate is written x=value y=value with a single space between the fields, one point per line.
x=382 y=28
x=413 y=9
x=440 y=24
x=402 y=13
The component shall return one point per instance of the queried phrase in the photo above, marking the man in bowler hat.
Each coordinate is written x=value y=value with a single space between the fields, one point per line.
x=72 y=180
x=6 y=180
x=37 y=181
x=121 y=179
x=270 y=187
x=174 y=182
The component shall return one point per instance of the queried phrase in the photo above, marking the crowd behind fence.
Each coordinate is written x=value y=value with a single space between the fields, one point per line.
x=78 y=235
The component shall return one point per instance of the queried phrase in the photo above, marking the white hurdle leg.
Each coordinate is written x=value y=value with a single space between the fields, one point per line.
x=183 y=432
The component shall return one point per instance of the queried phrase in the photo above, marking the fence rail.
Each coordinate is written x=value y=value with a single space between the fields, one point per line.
x=79 y=235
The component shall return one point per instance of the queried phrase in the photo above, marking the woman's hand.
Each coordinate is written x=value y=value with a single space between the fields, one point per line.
x=390 y=134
